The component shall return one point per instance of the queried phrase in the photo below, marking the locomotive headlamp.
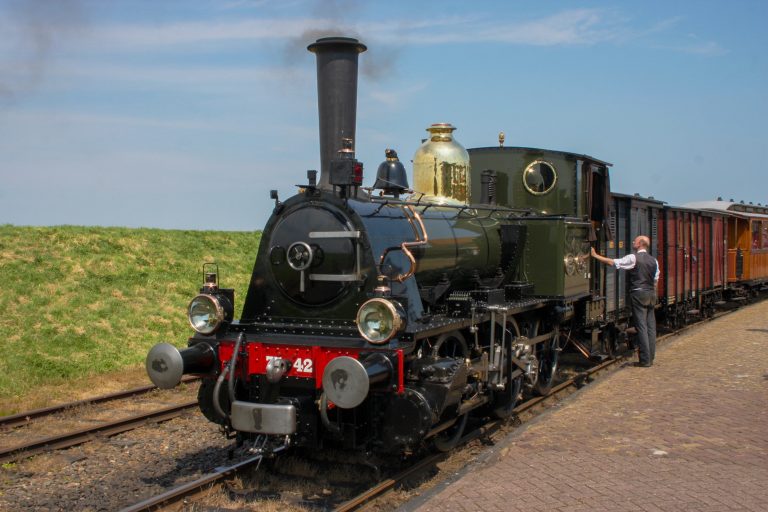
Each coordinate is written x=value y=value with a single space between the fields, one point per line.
x=378 y=320
x=206 y=313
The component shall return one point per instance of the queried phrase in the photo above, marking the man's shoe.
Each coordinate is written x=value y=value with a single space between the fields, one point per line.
x=643 y=365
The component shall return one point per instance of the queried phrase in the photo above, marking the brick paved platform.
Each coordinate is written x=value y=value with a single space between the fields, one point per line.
x=689 y=433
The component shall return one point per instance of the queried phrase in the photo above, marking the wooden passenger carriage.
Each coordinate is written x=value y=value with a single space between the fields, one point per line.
x=746 y=228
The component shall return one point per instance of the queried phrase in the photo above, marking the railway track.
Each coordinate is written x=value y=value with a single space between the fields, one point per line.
x=197 y=489
x=16 y=451
x=192 y=491
x=193 y=488
x=25 y=418
x=76 y=437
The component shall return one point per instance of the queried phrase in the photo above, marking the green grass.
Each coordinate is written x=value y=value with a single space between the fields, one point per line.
x=79 y=301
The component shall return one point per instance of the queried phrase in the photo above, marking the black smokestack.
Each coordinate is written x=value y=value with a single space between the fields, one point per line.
x=336 y=95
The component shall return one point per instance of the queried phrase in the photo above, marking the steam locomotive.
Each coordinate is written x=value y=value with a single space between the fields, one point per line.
x=379 y=319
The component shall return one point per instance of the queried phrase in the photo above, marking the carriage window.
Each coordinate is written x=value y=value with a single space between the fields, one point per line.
x=765 y=234
x=756 y=235
x=539 y=177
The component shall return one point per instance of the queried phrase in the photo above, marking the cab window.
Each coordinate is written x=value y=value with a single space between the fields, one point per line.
x=539 y=177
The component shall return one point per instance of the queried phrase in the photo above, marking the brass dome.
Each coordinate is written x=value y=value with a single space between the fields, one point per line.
x=441 y=170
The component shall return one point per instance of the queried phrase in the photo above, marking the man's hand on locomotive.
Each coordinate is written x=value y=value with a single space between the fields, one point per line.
x=603 y=259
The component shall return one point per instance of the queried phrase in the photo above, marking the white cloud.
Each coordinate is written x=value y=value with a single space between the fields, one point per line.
x=705 y=48
x=569 y=27
x=191 y=76
x=57 y=120
x=564 y=28
x=179 y=33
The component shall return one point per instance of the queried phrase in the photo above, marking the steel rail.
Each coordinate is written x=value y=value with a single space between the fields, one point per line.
x=388 y=484
x=74 y=438
x=24 y=418
x=191 y=488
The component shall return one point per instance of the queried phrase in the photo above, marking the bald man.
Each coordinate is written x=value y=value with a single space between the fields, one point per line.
x=643 y=276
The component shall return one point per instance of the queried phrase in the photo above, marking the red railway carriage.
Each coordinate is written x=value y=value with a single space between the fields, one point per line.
x=747 y=243
x=692 y=262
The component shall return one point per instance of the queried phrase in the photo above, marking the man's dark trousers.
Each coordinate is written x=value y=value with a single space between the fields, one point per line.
x=643 y=302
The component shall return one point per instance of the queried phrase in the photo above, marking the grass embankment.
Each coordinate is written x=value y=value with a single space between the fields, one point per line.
x=84 y=301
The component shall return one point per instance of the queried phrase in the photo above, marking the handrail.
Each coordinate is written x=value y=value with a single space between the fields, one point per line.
x=421 y=239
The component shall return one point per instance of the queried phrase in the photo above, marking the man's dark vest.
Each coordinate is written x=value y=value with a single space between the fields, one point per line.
x=641 y=277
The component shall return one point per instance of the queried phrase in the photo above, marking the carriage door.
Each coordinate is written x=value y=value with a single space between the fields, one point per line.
x=701 y=263
x=679 y=256
x=623 y=245
x=687 y=253
x=695 y=255
x=706 y=242
x=719 y=251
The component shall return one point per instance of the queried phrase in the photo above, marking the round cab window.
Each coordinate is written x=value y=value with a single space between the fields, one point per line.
x=539 y=177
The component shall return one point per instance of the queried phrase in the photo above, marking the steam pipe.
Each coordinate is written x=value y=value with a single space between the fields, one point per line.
x=336 y=96
x=232 y=364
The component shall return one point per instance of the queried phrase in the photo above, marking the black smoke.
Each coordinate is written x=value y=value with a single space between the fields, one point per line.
x=33 y=31
x=379 y=60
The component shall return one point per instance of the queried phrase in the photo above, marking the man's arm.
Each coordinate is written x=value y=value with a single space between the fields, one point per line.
x=602 y=259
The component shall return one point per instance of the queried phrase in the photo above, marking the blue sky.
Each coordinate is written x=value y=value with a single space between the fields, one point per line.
x=184 y=114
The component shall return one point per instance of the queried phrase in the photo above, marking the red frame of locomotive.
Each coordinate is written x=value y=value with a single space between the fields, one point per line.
x=317 y=357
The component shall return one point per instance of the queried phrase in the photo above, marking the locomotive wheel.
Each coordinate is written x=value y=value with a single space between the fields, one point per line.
x=447 y=440
x=452 y=345
x=548 y=354
x=612 y=343
x=205 y=400
x=504 y=402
